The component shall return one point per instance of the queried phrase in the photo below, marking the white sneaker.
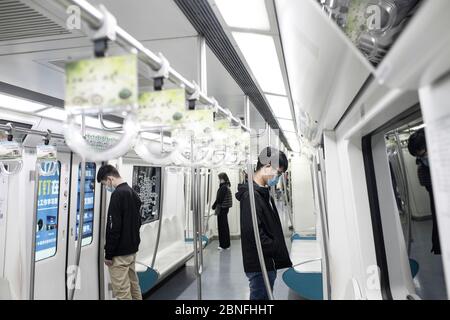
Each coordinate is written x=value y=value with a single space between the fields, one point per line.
x=220 y=248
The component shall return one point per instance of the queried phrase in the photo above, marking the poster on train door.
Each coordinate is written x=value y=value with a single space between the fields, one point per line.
x=47 y=215
x=147 y=184
x=89 y=197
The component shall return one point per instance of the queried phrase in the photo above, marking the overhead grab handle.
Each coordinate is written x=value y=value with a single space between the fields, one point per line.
x=99 y=86
x=106 y=32
x=161 y=74
x=11 y=161
x=194 y=97
x=46 y=157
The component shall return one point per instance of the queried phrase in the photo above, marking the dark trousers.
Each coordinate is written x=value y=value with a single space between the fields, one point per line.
x=224 y=229
x=257 y=287
x=436 y=249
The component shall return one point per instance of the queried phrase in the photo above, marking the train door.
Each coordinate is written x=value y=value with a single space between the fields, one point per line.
x=411 y=265
x=85 y=279
x=51 y=231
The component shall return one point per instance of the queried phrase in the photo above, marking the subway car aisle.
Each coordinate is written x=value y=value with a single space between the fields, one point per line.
x=223 y=278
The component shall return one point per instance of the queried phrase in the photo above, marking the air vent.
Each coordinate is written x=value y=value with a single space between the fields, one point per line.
x=19 y=21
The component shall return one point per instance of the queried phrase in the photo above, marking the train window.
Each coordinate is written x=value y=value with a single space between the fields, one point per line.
x=47 y=215
x=147 y=184
x=89 y=203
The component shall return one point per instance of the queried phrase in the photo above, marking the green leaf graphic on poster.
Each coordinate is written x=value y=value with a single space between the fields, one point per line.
x=200 y=121
x=165 y=107
x=109 y=84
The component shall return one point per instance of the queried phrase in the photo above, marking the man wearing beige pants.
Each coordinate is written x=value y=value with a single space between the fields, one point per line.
x=122 y=234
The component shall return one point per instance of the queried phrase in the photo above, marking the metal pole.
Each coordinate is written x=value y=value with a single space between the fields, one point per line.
x=82 y=186
x=194 y=196
x=323 y=222
x=33 y=132
x=95 y=19
x=102 y=243
x=33 y=231
x=209 y=201
x=286 y=199
x=256 y=230
x=199 y=232
x=160 y=213
x=405 y=177
x=247 y=111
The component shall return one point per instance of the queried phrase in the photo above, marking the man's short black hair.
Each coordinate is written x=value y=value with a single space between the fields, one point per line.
x=417 y=142
x=107 y=171
x=274 y=157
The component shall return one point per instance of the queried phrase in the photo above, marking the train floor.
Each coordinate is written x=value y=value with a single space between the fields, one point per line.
x=223 y=278
x=429 y=282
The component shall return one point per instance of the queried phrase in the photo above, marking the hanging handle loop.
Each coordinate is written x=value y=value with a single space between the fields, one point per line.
x=9 y=167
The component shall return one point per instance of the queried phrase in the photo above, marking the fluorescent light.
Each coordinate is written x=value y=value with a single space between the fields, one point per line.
x=261 y=55
x=54 y=113
x=19 y=104
x=286 y=125
x=280 y=106
x=248 y=14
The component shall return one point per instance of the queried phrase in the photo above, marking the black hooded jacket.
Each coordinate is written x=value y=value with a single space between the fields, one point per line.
x=275 y=252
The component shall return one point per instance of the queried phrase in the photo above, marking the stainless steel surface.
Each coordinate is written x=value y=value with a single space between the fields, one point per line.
x=160 y=213
x=82 y=185
x=33 y=232
x=94 y=18
x=324 y=229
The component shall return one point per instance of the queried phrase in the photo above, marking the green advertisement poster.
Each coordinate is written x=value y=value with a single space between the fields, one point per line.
x=107 y=84
x=162 y=108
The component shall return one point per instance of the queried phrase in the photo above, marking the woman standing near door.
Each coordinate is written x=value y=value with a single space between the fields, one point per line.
x=223 y=203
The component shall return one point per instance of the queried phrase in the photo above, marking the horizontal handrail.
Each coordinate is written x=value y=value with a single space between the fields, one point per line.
x=95 y=18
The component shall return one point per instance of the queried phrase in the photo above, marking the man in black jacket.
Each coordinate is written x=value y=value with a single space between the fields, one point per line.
x=271 y=165
x=417 y=147
x=122 y=234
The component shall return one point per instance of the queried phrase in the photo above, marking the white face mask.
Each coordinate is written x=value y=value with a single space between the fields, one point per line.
x=110 y=188
x=222 y=181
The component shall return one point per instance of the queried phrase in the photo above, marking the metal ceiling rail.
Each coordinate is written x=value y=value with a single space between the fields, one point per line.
x=8 y=128
x=94 y=17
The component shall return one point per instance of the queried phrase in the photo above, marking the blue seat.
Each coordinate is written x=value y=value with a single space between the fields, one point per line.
x=204 y=239
x=147 y=279
x=414 y=265
x=307 y=285
x=296 y=236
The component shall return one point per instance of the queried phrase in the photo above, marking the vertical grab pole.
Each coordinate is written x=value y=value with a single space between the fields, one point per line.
x=194 y=195
x=209 y=203
x=82 y=186
x=199 y=222
x=324 y=228
x=286 y=199
x=405 y=178
x=33 y=232
x=101 y=265
x=160 y=216
x=256 y=229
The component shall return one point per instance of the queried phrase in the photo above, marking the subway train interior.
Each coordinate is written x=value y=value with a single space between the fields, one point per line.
x=173 y=93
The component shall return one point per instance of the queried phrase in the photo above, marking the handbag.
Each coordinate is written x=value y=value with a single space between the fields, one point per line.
x=217 y=210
